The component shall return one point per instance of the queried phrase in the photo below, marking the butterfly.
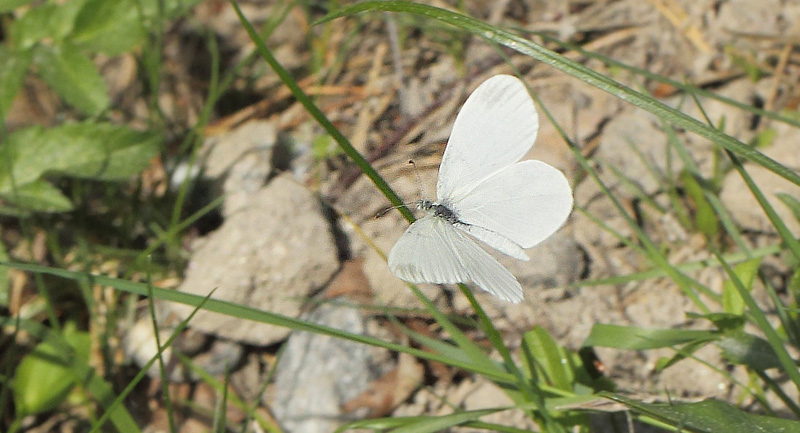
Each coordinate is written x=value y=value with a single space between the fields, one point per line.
x=485 y=192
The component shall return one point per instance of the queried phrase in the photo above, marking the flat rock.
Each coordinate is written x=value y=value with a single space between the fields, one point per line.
x=272 y=254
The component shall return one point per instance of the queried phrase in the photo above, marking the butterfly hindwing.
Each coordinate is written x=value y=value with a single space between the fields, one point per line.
x=424 y=254
x=433 y=251
x=524 y=204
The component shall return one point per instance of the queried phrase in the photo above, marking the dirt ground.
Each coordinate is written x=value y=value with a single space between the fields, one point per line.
x=392 y=84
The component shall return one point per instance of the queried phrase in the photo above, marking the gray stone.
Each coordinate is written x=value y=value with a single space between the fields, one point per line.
x=317 y=373
x=240 y=161
x=272 y=254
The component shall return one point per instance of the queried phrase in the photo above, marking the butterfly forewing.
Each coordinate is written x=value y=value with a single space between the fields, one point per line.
x=433 y=251
x=524 y=204
x=495 y=128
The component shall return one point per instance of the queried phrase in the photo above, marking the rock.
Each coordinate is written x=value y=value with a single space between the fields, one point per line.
x=240 y=161
x=214 y=356
x=762 y=18
x=389 y=391
x=483 y=394
x=272 y=254
x=139 y=345
x=317 y=374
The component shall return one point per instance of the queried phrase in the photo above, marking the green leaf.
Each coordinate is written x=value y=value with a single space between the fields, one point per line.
x=9 y=5
x=540 y=350
x=324 y=146
x=45 y=377
x=752 y=69
x=791 y=202
x=48 y=22
x=17 y=158
x=5 y=282
x=38 y=196
x=421 y=424
x=73 y=76
x=103 y=151
x=100 y=151
x=110 y=27
x=63 y=343
x=13 y=66
x=745 y=349
x=765 y=138
x=685 y=351
x=636 y=338
x=705 y=218
x=710 y=416
x=732 y=301
x=165 y=9
x=725 y=322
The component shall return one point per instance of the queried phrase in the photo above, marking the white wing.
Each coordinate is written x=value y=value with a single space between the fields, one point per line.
x=495 y=128
x=496 y=241
x=433 y=251
x=520 y=205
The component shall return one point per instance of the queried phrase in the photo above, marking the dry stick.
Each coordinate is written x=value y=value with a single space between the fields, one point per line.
x=367 y=116
x=307 y=84
x=352 y=173
x=680 y=19
x=780 y=73
x=394 y=44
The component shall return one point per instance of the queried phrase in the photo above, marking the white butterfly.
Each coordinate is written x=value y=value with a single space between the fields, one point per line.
x=486 y=191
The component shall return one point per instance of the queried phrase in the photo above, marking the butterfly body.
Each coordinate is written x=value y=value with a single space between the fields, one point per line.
x=439 y=210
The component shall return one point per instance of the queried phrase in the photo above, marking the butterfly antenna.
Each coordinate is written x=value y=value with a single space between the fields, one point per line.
x=406 y=205
x=419 y=180
x=385 y=211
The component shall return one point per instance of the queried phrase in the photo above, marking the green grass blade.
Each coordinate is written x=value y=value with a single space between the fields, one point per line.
x=249 y=313
x=638 y=338
x=709 y=416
